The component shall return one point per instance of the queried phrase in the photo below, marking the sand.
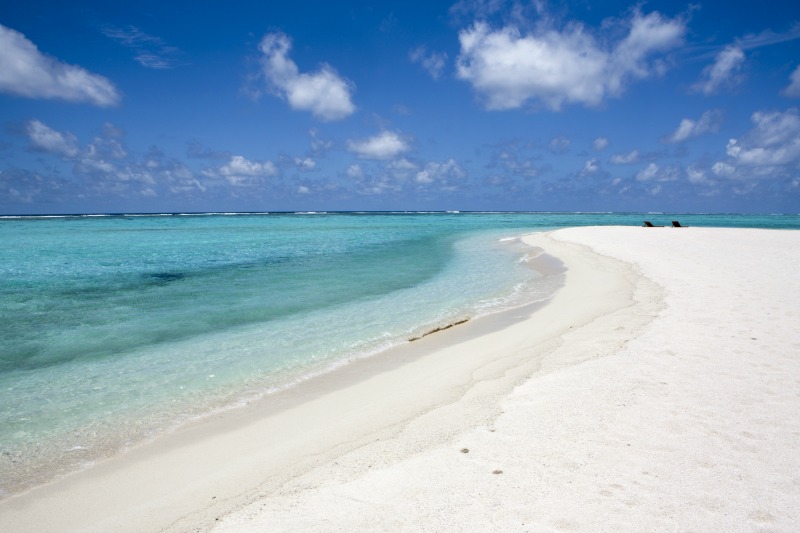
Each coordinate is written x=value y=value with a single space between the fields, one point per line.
x=659 y=389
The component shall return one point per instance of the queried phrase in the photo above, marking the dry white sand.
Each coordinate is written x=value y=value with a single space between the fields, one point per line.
x=691 y=425
x=658 y=390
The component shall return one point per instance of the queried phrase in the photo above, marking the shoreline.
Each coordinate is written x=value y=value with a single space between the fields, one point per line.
x=308 y=383
x=23 y=473
x=588 y=411
x=227 y=453
x=685 y=421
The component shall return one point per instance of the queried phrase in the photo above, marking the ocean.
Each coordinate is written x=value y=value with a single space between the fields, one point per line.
x=116 y=328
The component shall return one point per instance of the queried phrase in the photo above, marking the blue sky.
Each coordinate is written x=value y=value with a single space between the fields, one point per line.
x=470 y=105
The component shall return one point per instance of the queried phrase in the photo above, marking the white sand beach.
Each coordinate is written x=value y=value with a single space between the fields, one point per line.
x=659 y=389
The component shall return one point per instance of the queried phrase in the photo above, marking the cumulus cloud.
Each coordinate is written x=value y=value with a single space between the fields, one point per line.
x=239 y=166
x=625 y=159
x=793 y=90
x=590 y=167
x=95 y=158
x=45 y=139
x=355 y=171
x=305 y=163
x=723 y=72
x=653 y=172
x=150 y=51
x=770 y=150
x=432 y=62
x=324 y=93
x=241 y=172
x=509 y=68
x=688 y=128
x=401 y=169
x=697 y=176
x=385 y=145
x=105 y=168
x=25 y=71
x=445 y=172
x=180 y=179
x=559 y=145
x=107 y=146
x=599 y=144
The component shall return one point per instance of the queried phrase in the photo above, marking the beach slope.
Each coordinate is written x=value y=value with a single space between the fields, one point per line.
x=691 y=422
x=658 y=389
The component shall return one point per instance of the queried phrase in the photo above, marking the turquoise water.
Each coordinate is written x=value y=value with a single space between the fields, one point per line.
x=115 y=328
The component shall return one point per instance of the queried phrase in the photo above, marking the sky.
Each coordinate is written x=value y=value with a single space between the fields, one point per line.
x=656 y=106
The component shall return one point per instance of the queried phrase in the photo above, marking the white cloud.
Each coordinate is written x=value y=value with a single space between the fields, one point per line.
x=770 y=150
x=115 y=178
x=401 y=165
x=509 y=68
x=559 y=145
x=775 y=129
x=241 y=172
x=648 y=173
x=324 y=93
x=355 y=171
x=181 y=180
x=599 y=144
x=432 y=62
x=239 y=166
x=625 y=159
x=696 y=176
x=653 y=172
x=302 y=189
x=443 y=172
x=380 y=186
x=591 y=166
x=723 y=169
x=793 y=90
x=46 y=139
x=305 y=163
x=401 y=169
x=88 y=165
x=385 y=145
x=102 y=163
x=724 y=70
x=708 y=122
x=25 y=71
x=106 y=148
x=93 y=161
